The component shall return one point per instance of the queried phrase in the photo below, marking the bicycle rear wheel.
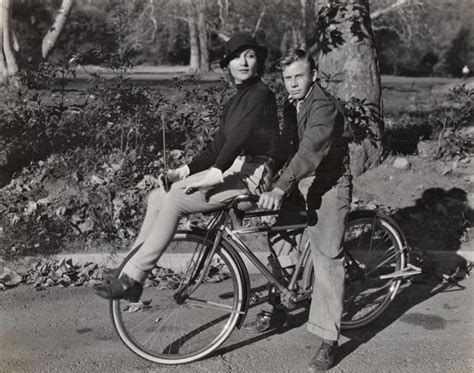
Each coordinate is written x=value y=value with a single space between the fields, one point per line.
x=176 y=321
x=374 y=253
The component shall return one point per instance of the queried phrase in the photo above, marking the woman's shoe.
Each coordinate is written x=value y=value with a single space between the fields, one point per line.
x=123 y=287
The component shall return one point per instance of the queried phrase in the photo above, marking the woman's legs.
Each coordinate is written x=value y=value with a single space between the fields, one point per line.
x=175 y=204
x=161 y=220
x=155 y=200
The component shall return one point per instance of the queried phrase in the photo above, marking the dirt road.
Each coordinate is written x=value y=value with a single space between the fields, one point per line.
x=428 y=328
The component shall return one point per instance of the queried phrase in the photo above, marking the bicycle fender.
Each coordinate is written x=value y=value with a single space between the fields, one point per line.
x=371 y=213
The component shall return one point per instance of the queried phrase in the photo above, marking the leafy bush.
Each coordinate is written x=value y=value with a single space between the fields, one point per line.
x=95 y=158
x=445 y=129
x=450 y=122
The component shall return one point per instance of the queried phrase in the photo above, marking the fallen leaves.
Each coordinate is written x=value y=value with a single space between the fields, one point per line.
x=49 y=272
x=45 y=273
x=136 y=307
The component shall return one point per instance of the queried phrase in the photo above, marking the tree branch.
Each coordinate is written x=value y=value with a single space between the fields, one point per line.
x=381 y=12
x=259 y=21
x=221 y=13
x=53 y=33
x=390 y=28
x=8 y=55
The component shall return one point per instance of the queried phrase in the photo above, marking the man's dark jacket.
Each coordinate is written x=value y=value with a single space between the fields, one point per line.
x=322 y=150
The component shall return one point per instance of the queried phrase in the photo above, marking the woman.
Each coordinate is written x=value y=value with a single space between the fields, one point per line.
x=237 y=161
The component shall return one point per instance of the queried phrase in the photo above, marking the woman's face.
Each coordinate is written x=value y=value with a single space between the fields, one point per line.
x=243 y=66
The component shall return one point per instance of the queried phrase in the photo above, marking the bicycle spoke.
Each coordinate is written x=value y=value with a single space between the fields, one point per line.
x=207 y=304
x=180 y=328
x=374 y=255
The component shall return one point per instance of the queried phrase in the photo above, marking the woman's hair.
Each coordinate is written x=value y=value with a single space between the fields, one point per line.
x=294 y=55
x=260 y=60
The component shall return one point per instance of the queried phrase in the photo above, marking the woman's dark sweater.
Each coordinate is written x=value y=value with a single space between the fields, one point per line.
x=249 y=127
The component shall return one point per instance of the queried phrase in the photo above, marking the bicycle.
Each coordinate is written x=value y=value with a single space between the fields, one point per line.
x=202 y=288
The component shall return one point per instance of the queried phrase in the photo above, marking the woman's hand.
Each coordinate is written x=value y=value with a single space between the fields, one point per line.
x=212 y=177
x=271 y=200
x=177 y=174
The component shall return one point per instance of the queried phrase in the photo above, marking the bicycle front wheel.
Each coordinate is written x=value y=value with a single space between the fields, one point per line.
x=180 y=318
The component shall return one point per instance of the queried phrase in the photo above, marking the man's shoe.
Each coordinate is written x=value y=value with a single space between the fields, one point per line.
x=123 y=287
x=265 y=320
x=324 y=358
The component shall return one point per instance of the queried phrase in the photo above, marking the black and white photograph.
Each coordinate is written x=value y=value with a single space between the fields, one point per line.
x=237 y=186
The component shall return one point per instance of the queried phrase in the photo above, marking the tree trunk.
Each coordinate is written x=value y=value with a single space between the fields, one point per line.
x=203 y=37
x=194 y=59
x=354 y=65
x=302 y=28
x=9 y=63
x=55 y=30
x=3 y=67
x=284 y=42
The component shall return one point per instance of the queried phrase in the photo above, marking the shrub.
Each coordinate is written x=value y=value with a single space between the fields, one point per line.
x=450 y=122
x=95 y=158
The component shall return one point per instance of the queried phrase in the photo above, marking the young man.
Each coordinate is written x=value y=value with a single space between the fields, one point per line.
x=320 y=170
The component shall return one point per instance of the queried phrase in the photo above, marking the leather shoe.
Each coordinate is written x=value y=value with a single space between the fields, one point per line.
x=324 y=358
x=265 y=320
x=123 y=287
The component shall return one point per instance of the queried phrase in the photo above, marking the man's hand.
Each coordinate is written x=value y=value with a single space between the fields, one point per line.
x=212 y=177
x=271 y=200
x=177 y=174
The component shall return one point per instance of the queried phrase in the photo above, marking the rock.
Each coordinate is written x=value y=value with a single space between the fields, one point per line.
x=470 y=179
x=371 y=206
x=401 y=163
x=9 y=277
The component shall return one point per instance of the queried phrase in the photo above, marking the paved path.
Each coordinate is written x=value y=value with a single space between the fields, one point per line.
x=428 y=328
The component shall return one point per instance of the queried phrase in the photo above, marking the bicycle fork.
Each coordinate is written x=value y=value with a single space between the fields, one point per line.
x=200 y=268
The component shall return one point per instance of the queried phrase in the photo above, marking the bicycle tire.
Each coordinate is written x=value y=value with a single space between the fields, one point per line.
x=367 y=295
x=167 y=332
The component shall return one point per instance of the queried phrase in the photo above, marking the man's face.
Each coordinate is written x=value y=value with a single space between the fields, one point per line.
x=298 y=79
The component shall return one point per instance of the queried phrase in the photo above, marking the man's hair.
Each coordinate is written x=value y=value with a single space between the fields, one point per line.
x=294 y=55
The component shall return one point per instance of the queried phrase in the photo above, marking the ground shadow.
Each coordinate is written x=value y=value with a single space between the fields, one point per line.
x=439 y=216
x=408 y=297
x=298 y=318
x=437 y=221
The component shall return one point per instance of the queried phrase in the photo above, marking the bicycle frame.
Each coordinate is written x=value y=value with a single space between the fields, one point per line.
x=220 y=226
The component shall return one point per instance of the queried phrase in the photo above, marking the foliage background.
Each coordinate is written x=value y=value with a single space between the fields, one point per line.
x=83 y=158
x=422 y=38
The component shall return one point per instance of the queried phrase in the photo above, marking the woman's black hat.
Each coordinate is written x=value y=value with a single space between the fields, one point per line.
x=237 y=43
